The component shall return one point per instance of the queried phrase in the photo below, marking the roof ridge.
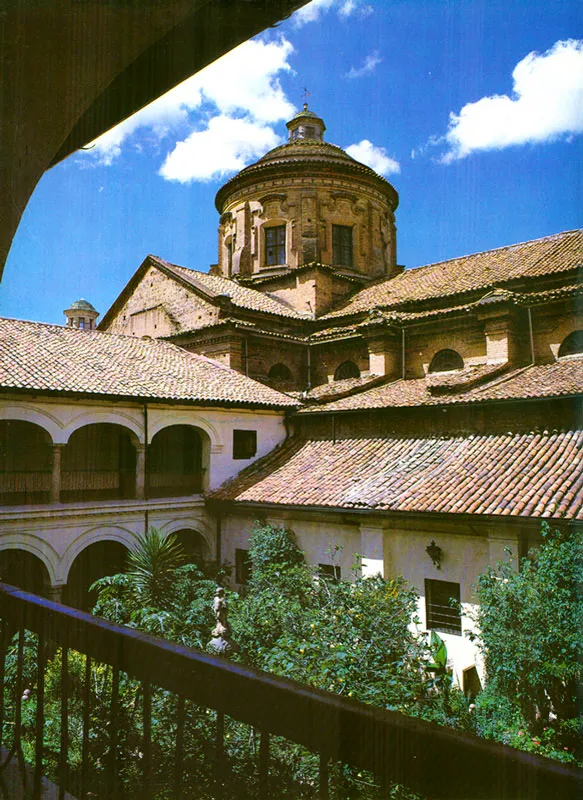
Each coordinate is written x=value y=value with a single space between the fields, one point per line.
x=490 y=250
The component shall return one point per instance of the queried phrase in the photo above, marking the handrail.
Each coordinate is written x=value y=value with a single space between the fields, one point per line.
x=436 y=761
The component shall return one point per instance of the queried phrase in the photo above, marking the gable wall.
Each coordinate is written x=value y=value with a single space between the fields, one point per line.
x=160 y=306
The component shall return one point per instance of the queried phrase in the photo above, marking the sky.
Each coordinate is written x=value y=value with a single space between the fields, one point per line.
x=472 y=109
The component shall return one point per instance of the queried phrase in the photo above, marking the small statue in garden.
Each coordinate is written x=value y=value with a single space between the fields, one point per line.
x=221 y=643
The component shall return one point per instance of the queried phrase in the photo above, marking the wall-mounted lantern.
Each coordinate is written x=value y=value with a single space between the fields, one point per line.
x=434 y=552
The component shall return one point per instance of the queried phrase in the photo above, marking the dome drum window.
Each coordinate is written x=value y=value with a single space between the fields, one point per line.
x=342 y=250
x=275 y=246
x=446 y=361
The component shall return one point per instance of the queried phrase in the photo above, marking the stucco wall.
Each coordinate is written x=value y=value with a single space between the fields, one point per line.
x=396 y=548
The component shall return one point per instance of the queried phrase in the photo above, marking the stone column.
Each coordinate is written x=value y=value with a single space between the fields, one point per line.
x=372 y=548
x=56 y=473
x=55 y=593
x=140 y=471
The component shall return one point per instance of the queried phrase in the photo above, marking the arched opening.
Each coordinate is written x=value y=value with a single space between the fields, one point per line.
x=280 y=376
x=572 y=345
x=25 y=570
x=99 y=463
x=96 y=561
x=446 y=361
x=348 y=369
x=25 y=463
x=175 y=462
x=195 y=546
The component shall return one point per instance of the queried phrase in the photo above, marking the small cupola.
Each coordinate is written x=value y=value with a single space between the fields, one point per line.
x=306 y=125
x=81 y=314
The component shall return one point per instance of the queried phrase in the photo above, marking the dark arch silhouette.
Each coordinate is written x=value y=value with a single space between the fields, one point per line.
x=195 y=546
x=25 y=463
x=99 y=463
x=572 y=345
x=175 y=462
x=348 y=369
x=25 y=570
x=279 y=372
x=445 y=361
x=106 y=557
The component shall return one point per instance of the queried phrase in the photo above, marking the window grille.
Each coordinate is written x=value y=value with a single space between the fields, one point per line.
x=442 y=599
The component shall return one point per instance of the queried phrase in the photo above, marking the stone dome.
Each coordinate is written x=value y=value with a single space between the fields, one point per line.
x=305 y=156
x=81 y=305
x=307 y=202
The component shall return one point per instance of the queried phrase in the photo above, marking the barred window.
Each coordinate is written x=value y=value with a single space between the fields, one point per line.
x=275 y=245
x=342 y=245
x=442 y=600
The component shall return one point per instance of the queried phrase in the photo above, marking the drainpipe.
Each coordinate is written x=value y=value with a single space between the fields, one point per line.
x=531 y=335
x=246 y=356
x=219 y=537
x=309 y=366
x=146 y=481
x=403 y=353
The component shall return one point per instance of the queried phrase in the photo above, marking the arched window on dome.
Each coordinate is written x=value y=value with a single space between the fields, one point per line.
x=280 y=374
x=348 y=369
x=446 y=361
x=572 y=345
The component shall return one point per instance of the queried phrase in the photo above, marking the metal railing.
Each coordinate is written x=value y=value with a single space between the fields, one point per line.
x=435 y=761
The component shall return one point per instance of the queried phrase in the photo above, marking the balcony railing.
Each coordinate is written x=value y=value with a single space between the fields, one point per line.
x=19 y=487
x=435 y=761
x=174 y=484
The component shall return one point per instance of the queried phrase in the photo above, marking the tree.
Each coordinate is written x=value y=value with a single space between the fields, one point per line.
x=159 y=593
x=531 y=624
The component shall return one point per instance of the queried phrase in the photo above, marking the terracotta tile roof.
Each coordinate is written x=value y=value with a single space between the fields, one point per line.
x=339 y=388
x=519 y=475
x=553 y=254
x=241 y=296
x=51 y=358
x=561 y=378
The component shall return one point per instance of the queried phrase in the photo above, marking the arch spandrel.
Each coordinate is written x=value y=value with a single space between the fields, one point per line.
x=156 y=424
x=35 y=416
x=98 y=533
x=36 y=546
x=99 y=417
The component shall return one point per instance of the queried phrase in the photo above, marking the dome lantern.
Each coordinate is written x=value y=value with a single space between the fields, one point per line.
x=306 y=125
x=81 y=314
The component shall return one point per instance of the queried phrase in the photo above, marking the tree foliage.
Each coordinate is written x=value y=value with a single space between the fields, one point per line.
x=531 y=635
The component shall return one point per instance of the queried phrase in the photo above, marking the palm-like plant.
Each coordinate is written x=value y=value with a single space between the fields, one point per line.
x=152 y=566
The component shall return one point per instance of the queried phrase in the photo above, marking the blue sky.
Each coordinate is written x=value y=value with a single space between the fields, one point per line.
x=472 y=109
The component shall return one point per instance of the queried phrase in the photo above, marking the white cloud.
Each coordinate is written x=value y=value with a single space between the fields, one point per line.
x=375 y=157
x=226 y=145
x=345 y=8
x=368 y=65
x=242 y=84
x=546 y=104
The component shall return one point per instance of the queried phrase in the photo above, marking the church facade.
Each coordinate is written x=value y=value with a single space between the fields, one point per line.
x=419 y=422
